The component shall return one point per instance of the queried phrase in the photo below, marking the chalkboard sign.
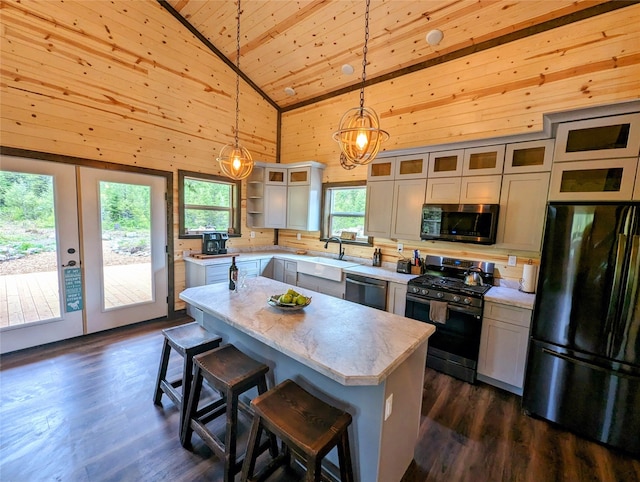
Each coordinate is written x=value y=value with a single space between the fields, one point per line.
x=72 y=289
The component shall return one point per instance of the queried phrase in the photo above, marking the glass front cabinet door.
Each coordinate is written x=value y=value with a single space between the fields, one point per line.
x=600 y=138
x=601 y=180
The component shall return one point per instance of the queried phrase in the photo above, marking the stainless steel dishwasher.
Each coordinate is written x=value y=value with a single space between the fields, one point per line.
x=366 y=291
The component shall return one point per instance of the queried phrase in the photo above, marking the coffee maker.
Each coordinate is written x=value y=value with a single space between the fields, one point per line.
x=214 y=243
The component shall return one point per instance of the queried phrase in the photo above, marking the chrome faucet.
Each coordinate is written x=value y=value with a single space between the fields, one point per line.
x=340 y=249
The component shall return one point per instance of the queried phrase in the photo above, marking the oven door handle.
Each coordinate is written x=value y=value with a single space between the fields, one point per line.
x=459 y=309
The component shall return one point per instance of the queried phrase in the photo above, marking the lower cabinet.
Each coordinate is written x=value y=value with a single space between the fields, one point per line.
x=321 y=285
x=396 y=298
x=285 y=271
x=503 y=346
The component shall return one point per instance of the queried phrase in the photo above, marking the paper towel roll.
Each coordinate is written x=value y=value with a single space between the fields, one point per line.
x=528 y=281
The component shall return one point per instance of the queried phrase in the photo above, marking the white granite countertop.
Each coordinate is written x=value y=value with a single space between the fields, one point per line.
x=511 y=297
x=497 y=294
x=349 y=343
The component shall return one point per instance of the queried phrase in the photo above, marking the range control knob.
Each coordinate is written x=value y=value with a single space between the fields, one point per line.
x=467 y=301
x=424 y=292
x=456 y=298
x=440 y=295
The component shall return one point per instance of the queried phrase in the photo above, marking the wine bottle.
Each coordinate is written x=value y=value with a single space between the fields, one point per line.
x=233 y=274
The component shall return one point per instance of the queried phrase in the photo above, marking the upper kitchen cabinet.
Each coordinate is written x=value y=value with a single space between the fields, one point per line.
x=522 y=210
x=395 y=194
x=304 y=192
x=445 y=164
x=480 y=161
x=532 y=156
x=283 y=196
x=601 y=180
x=600 y=138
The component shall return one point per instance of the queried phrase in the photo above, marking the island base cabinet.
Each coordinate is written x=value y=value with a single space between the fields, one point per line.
x=397 y=298
x=382 y=447
x=503 y=346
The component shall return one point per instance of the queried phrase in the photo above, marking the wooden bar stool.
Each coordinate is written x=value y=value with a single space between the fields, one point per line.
x=305 y=424
x=188 y=340
x=231 y=373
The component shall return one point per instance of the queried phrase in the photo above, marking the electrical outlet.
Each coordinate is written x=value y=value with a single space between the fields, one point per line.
x=512 y=261
x=400 y=247
x=253 y=234
x=298 y=236
x=388 y=406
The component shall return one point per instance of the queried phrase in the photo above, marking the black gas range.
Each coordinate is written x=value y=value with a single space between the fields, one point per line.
x=442 y=298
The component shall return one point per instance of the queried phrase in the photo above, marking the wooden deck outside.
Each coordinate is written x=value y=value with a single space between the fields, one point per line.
x=26 y=298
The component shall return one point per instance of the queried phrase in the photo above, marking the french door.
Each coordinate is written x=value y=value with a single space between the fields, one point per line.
x=84 y=250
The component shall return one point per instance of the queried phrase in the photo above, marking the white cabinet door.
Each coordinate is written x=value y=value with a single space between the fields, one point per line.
x=379 y=208
x=522 y=211
x=445 y=190
x=298 y=208
x=503 y=344
x=396 y=298
x=291 y=273
x=532 y=156
x=445 y=164
x=480 y=161
x=602 y=180
x=503 y=351
x=408 y=198
x=480 y=189
x=275 y=206
x=604 y=137
x=278 y=270
x=411 y=167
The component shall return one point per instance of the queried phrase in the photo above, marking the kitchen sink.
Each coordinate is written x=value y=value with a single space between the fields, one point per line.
x=327 y=268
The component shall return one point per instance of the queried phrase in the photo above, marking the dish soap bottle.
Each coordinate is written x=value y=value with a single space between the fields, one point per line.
x=233 y=274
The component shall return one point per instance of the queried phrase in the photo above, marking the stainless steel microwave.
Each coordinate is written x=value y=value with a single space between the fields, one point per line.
x=467 y=223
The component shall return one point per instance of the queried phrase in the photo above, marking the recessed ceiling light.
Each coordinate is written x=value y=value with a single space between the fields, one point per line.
x=289 y=91
x=434 y=37
x=347 y=69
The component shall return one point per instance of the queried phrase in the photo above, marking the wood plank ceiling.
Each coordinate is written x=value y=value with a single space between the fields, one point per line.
x=303 y=44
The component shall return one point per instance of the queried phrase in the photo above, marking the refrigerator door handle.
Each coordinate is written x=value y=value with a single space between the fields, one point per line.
x=615 y=289
x=631 y=292
x=593 y=366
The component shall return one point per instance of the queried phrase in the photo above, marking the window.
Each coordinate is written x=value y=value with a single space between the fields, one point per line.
x=344 y=206
x=208 y=203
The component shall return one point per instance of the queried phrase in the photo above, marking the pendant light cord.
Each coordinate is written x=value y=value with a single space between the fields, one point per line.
x=364 y=54
x=238 y=72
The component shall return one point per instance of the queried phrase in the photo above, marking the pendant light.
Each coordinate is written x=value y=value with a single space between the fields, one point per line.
x=359 y=134
x=235 y=161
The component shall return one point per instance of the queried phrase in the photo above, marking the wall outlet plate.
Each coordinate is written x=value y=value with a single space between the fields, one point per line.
x=513 y=261
x=253 y=234
x=298 y=236
x=388 y=406
x=400 y=247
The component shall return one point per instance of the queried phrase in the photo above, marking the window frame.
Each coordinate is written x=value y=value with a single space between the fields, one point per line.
x=235 y=208
x=326 y=210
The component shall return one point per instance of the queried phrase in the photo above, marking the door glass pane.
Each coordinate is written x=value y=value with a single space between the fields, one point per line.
x=29 y=283
x=276 y=176
x=483 y=160
x=381 y=169
x=533 y=156
x=298 y=176
x=445 y=164
x=598 y=138
x=126 y=244
x=592 y=180
x=413 y=166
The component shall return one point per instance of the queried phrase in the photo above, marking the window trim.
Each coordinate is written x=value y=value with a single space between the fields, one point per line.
x=326 y=187
x=236 y=206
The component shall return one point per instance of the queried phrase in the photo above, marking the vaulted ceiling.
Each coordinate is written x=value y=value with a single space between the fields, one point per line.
x=304 y=44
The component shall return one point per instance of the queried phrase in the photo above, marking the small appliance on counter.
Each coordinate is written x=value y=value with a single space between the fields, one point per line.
x=403 y=266
x=214 y=243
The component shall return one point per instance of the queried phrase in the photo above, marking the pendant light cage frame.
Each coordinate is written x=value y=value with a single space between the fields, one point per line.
x=359 y=134
x=234 y=160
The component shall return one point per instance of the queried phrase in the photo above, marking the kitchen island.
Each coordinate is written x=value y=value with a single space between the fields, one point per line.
x=365 y=361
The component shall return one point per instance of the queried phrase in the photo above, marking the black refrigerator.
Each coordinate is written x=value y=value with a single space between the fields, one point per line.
x=583 y=369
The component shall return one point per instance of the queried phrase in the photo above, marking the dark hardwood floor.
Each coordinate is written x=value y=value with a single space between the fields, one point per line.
x=82 y=410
